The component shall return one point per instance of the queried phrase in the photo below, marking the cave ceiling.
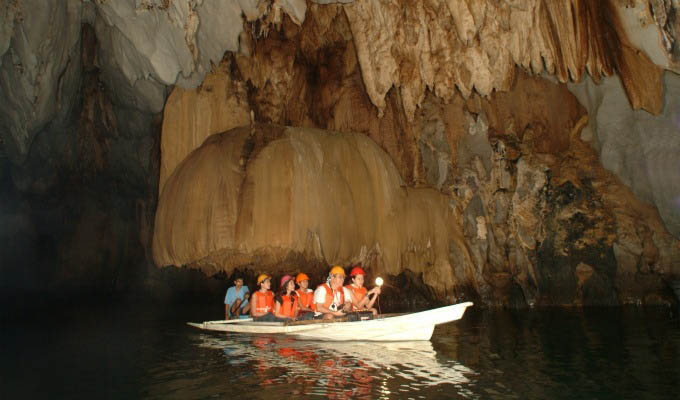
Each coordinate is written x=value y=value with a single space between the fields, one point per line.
x=444 y=47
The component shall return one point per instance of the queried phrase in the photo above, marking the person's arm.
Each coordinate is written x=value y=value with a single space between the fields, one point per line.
x=367 y=301
x=376 y=292
x=277 y=309
x=303 y=307
x=319 y=297
x=253 y=312
x=347 y=307
x=228 y=301
x=296 y=308
x=246 y=296
x=320 y=308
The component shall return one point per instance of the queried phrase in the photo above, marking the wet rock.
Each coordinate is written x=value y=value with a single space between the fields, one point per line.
x=636 y=146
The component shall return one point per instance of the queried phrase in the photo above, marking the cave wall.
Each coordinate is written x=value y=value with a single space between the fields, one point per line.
x=448 y=89
x=639 y=148
x=543 y=221
x=266 y=194
x=78 y=209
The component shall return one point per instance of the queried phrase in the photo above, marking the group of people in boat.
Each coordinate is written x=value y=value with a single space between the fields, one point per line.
x=296 y=301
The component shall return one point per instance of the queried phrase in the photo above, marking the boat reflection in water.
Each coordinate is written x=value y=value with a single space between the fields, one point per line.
x=341 y=369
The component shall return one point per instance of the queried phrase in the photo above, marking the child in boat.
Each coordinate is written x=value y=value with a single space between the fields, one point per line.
x=305 y=297
x=361 y=299
x=331 y=298
x=286 y=304
x=305 y=294
x=236 y=300
x=262 y=301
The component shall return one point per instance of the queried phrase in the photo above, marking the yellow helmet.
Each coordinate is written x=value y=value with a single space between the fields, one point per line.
x=337 y=270
x=262 y=277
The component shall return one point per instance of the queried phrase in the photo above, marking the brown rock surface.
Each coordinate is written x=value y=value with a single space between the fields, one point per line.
x=458 y=44
x=261 y=196
x=522 y=208
x=219 y=104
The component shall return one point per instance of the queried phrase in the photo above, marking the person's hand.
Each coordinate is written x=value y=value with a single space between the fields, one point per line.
x=375 y=290
x=339 y=314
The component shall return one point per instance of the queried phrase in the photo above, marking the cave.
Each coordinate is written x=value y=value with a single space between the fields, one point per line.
x=517 y=154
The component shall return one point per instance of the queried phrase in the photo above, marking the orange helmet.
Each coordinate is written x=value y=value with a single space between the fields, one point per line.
x=337 y=270
x=357 y=271
x=301 y=277
x=262 y=277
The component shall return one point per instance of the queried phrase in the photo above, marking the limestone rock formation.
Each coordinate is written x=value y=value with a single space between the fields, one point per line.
x=465 y=98
x=441 y=46
x=639 y=148
x=266 y=192
x=533 y=219
x=143 y=46
x=217 y=106
x=40 y=72
x=653 y=27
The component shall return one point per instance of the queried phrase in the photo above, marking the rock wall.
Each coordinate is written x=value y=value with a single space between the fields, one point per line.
x=84 y=82
x=40 y=72
x=78 y=211
x=639 y=148
x=542 y=222
x=220 y=104
x=529 y=214
x=268 y=192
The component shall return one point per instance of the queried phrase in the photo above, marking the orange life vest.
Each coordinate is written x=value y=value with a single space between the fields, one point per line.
x=330 y=295
x=288 y=308
x=264 y=302
x=358 y=294
x=306 y=298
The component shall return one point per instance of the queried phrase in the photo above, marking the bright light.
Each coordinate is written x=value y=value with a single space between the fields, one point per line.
x=379 y=281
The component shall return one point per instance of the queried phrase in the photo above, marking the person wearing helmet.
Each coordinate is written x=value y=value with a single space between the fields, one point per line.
x=262 y=301
x=361 y=299
x=305 y=294
x=305 y=297
x=236 y=300
x=286 y=302
x=331 y=298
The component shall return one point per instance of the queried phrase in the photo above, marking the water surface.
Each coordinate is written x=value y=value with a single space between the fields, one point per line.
x=146 y=350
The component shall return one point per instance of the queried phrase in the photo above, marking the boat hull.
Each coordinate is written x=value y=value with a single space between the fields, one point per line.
x=408 y=327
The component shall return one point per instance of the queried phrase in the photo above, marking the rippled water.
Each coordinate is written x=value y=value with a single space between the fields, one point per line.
x=148 y=351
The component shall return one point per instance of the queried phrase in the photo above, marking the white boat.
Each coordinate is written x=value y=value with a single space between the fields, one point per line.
x=406 y=327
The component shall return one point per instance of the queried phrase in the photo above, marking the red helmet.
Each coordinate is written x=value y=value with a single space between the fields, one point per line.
x=357 y=271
